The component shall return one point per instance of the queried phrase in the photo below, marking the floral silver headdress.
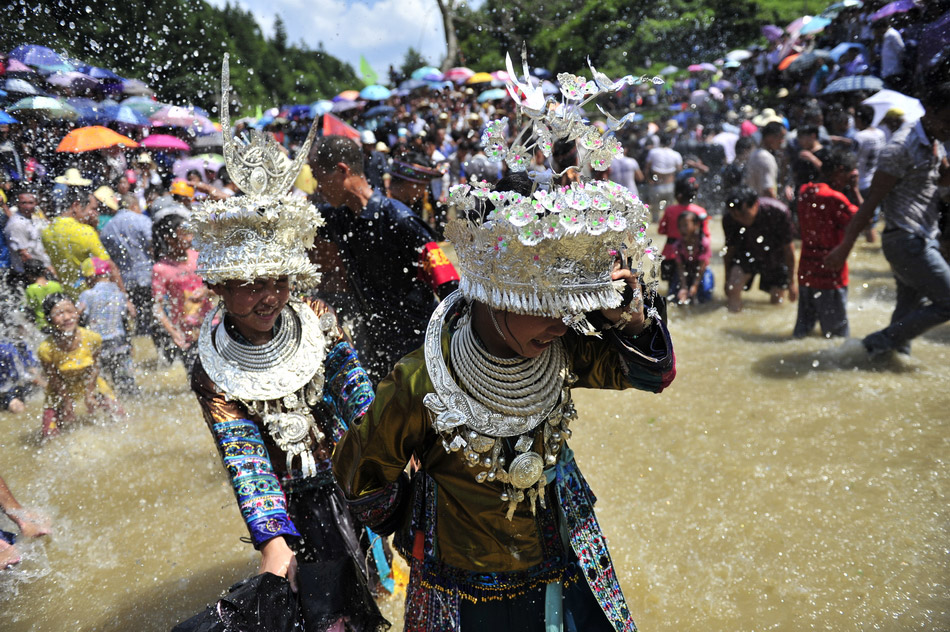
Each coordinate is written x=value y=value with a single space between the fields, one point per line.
x=551 y=252
x=266 y=232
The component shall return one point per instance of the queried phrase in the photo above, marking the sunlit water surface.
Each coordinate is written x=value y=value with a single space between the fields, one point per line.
x=777 y=485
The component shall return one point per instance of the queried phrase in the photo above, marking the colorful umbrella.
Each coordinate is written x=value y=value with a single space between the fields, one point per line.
x=90 y=112
x=458 y=74
x=412 y=84
x=814 y=25
x=427 y=73
x=785 y=63
x=832 y=10
x=807 y=60
x=495 y=94
x=98 y=73
x=500 y=76
x=347 y=95
x=19 y=86
x=739 y=54
x=15 y=65
x=669 y=70
x=378 y=111
x=72 y=79
x=6 y=119
x=375 y=92
x=125 y=114
x=772 y=33
x=36 y=55
x=319 y=108
x=887 y=99
x=854 y=83
x=176 y=116
x=135 y=87
x=479 y=77
x=164 y=141
x=47 y=106
x=143 y=105
x=901 y=6
x=93 y=138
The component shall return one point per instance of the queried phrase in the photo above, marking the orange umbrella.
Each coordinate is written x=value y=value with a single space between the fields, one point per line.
x=479 y=77
x=348 y=95
x=785 y=63
x=92 y=138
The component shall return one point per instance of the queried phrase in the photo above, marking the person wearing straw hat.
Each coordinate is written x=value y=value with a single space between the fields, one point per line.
x=497 y=522
x=278 y=381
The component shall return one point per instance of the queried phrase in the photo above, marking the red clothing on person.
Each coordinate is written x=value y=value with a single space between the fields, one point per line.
x=823 y=214
x=178 y=285
x=669 y=224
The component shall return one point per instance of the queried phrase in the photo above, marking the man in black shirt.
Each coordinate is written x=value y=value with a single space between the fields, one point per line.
x=393 y=266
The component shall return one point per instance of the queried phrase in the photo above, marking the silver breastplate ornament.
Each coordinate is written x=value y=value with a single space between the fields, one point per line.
x=524 y=403
x=279 y=381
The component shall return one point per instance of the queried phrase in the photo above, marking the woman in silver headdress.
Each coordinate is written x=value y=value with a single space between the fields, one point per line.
x=278 y=381
x=497 y=524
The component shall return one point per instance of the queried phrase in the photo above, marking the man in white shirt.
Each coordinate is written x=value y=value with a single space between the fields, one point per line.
x=892 y=56
x=23 y=234
x=663 y=163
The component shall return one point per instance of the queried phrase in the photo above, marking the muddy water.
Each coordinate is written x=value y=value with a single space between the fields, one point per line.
x=777 y=485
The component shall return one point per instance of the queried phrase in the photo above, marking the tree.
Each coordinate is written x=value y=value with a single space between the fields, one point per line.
x=412 y=61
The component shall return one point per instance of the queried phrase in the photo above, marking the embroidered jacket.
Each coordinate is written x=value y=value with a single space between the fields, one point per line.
x=452 y=529
x=255 y=464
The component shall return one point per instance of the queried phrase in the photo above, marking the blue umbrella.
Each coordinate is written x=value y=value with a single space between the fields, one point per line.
x=375 y=92
x=814 y=25
x=125 y=114
x=427 y=73
x=378 y=111
x=413 y=84
x=854 y=83
x=319 y=108
x=492 y=95
x=6 y=119
x=98 y=73
x=90 y=112
x=36 y=55
x=838 y=51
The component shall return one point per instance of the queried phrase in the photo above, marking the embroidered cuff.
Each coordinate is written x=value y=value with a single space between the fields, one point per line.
x=256 y=487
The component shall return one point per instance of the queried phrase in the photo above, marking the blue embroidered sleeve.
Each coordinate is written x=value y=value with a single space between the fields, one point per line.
x=258 y=491
x=347 y=391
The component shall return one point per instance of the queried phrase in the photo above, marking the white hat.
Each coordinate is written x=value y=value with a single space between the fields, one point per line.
x=73 y=178
x=367 y=137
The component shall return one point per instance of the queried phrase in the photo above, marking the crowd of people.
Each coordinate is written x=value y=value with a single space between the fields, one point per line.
x=321 y=389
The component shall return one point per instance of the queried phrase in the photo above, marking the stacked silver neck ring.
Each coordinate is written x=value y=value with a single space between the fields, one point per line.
x=259 y=358
x=516 y=386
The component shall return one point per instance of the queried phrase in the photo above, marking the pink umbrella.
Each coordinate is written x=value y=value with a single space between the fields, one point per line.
x=459 y=74
x=164 y=141
x=500 y=75
x=176 y=116
x=15 y=65
x=72 y=79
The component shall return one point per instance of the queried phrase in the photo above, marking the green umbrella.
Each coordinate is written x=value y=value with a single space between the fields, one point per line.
x=143 y=105
x=48 y=107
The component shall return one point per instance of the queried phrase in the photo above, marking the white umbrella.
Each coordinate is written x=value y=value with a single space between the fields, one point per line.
x=738 y=55
x=887 y=99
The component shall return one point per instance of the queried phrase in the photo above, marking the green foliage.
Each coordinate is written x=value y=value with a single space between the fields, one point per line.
x=413 y=60
x=617 y=35
x=176 y=47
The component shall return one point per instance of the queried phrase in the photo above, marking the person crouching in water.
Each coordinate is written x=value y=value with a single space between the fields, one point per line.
x=70 y=360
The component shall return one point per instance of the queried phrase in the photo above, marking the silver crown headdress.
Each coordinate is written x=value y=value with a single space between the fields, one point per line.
x=266 y=232
x=551 y=252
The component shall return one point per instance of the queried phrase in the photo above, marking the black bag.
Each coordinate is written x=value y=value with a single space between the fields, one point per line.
x=264 y=603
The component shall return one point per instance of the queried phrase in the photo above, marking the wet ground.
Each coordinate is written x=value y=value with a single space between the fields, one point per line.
x=777 y=485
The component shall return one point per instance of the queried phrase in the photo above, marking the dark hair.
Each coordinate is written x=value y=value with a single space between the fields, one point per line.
x=687 y=215
x=193 y=172
x=686 y=189
x=33 y=269
x=836 y=160
x=808 y=129
x=741 y=197
x=51 y=301
x=76 y=195
x=164 y=231
x=744 y=143
x=27 y=190
x=330 y=150
x=864 y=113
x=772 y=129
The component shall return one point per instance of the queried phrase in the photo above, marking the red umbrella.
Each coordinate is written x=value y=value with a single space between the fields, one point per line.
x=164 y=141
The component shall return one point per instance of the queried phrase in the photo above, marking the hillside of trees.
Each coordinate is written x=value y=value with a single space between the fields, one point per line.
x=176 y=47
